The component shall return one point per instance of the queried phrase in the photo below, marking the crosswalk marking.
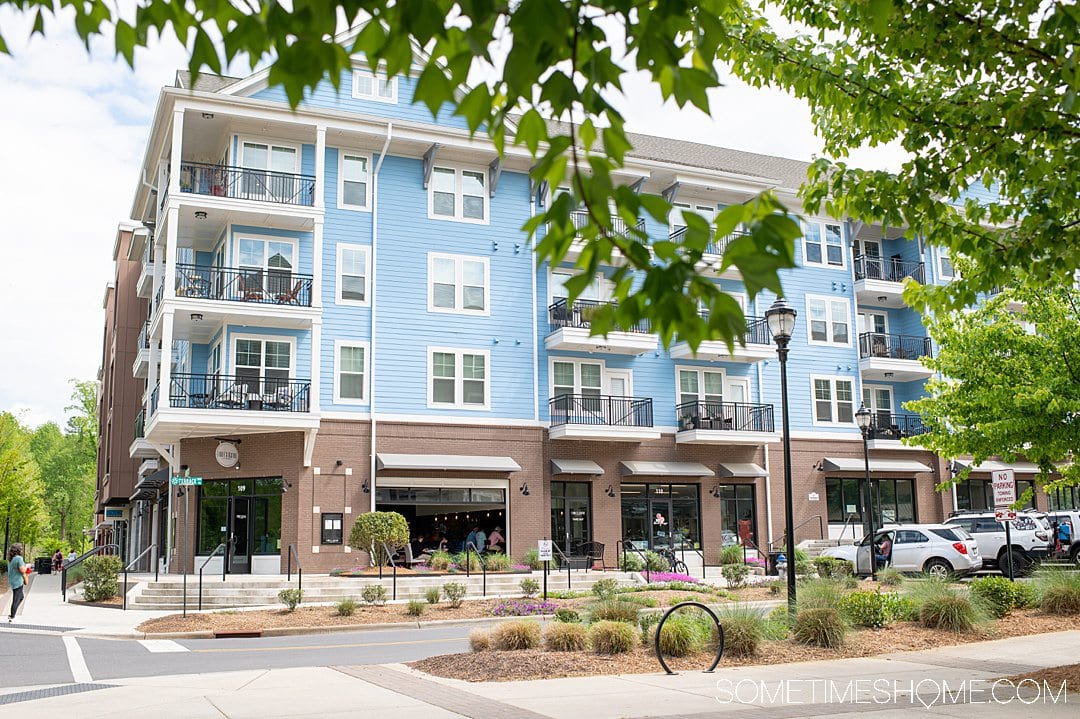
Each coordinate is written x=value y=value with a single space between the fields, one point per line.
x=162 y=646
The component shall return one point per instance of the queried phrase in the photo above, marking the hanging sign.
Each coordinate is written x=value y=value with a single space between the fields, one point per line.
x=226 y=454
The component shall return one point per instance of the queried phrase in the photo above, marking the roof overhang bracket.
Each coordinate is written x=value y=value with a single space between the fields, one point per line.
x=429 y=163
x=638 y=184
x=494 y=173
x=671 y=192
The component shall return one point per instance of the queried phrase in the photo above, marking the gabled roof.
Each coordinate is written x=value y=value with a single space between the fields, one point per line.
x=205 y=82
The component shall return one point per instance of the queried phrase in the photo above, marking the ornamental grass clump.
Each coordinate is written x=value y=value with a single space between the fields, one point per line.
x=819 y=627
x=515 y=636
x=744 y=628
x=497 y=562
x=606 y=637
x=731 y=554
x=565 y=637
x=346 y=607
x=374 y=594
x=890 y=577
x=605 y=588
x=479 y=641
x=614 y=611
x=821 y=594
x=681 y=635
x=532 y=559
x=440 y=561
x=415 y=608
x=1058 y=591
x=943 y=606
x=832 y=567
x=432 y=595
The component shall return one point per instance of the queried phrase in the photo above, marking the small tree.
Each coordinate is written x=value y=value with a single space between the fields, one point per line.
x=373 y=529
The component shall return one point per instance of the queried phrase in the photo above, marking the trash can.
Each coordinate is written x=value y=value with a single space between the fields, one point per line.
x=43 y=565
x=774 y=557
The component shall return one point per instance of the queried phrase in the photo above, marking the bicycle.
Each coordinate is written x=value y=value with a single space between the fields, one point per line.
x=677 y=566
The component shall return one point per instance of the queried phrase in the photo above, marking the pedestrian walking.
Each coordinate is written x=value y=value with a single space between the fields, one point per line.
x=16 y=578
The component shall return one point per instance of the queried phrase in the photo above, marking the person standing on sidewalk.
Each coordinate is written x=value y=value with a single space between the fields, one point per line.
x=16 y=578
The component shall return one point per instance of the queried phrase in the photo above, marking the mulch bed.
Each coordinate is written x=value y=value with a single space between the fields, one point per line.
x=1053 y=677
x=898 y=637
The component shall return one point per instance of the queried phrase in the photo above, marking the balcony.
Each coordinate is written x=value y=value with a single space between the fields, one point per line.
x=714 y=251
x=242 y=183
x=757 y=347
x=205 y=404
x=580 y=218
x=880 y=280
x=897 y=358
x=570 y=325
x=730 y=423
x=601 y=417
x=888 y=430
x=142 y=355
x=140 y=448
x=243 y=285
x=144 y=286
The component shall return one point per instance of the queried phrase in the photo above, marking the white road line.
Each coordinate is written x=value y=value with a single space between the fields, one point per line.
x=161 y=646
x=79 y=671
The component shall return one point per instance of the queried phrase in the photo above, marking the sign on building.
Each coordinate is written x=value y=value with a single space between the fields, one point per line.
x=227 y=454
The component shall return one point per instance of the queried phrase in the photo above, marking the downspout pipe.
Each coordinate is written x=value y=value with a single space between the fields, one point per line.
x=375 y=297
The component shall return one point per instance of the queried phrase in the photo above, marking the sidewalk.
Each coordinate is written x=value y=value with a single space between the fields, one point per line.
x=951 y=681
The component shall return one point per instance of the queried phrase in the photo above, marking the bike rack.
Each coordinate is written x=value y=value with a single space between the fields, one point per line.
x=719 y=631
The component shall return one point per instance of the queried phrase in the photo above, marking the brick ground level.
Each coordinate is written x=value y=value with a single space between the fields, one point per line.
x=339 y=481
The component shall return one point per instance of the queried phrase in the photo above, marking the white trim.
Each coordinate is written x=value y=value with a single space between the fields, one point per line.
x=456 y=482
x=863 y=315
x=853 y=436
x=825 y=264
x=609 y=373
x=459 y=196
x=454 y=419
x=264 y=339
x=829 y=301
x=270 y=145
x=376 y=76
x=366 y=157
x=243 y=235
x=365 y=250
x=832 y=379
x=458 y=403
x=459 y=284
x=577 y=362
x=939 y=254
x=338 y=345
x=700 y=371
x=873 y=388
x=603 y=285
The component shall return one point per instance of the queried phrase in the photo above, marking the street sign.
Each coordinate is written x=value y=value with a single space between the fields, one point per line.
x=543 y=548
x=1004 y=482
x=1005 y=515
x=186 y=481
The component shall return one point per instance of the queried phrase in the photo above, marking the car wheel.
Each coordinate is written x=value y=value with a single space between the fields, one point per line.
x=1022 y=564
x=1074 y=555
x=937 y=569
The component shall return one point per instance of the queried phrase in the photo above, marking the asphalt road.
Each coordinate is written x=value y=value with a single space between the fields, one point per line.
x=33 y=659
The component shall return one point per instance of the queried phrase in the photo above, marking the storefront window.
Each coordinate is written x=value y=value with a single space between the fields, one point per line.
x=894 y=500
x=656 y=516
x=978 y=494
x=738 y=514
x=249 y=509
x=1065 y=498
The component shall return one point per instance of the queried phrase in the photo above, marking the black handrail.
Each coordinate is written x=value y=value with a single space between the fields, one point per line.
x=244 y=183
x=579 y=313
x=565 y=563
x=581 y=219
x=140 y=424
x=483 y=563
x=299 y=570
x=239 y=392
x=599 y=409
x=389 y=558
x=887 y=425
x=133 y=563
x=270 y=286
x=115 y=548
x=224 y=562
x=908 y=347
x=757 y=329
x=717 y=245
x=888 y=269
x=700 y=552
x=732 y=416
x=628 y=544
x=800 y=525
x=154 y=399
x=144 y=336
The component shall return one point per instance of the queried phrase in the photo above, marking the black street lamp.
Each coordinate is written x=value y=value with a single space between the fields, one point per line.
x=864 y=418
x=781 y=319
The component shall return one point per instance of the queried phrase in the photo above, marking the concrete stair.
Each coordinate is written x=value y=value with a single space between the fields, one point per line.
x=814 y=547
x=251 y=590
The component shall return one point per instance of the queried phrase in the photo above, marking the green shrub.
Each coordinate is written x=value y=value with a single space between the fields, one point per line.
x=440 y=560
x=565 y=594
x=432 y=595
x=631 y=562
x=868 y=608
x=804 y=568
x=532 y=558
x=830 y=567
x=776 y=587
x=614 y=611
x=1027 y=595
x=605 y=588
x=529 y=587
x=819 y=627
x=373 y=529
x=611 y=637
x=516 y=635
x=374 y=594
x=454 y=593
x=415 y=608
x=820 y=594
x=744 y=628
x=735 y=575
x=681 y=636
x=1058 y=591
x=997 y=595
x=901 y=608
x=731 y=554
x=290 y=598
x=471 y=558
x=479 y=641
x=564 y=637
x=646 y=622
x=890 y=577
x=942 y=606
x=640 y=601
x=345 y=608
x=3 y=566
x=655 y=563
x=801 y=555
x=497 y=562
x=102 y=577
x=567 y=615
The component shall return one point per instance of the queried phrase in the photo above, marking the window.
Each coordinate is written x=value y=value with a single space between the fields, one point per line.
x=265 y=266
x=352 y=274
x=879 y=400
x=595 y=291
x=265 y=363
x=331 y=528
x=459 y=378
x=910 y=536
x=458 y=284
x=353 y=181
x=893 y=500
x=978 y=494
x=829 y=321
x=582 y=378
x=823 y=244
x=945 y=265
x=458 y=195
x=701 y=386
x=876 y=322
x=833 y=400
x=371 y=85
x=260 y=158
x=350 y=369
x=1065 y=498
x=675 y=217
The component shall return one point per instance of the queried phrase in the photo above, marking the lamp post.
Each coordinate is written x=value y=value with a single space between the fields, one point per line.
x=864 y=418
x=781 y=319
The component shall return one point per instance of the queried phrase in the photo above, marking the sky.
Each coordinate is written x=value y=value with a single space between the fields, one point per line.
x=75 y=126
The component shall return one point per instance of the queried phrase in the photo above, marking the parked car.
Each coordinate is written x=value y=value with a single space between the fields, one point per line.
x=1072 y=517
x=936 y=549
x=1031 y=541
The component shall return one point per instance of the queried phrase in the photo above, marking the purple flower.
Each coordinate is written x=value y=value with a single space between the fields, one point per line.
x=521 y=567
x=658 y=577
x=515 y=608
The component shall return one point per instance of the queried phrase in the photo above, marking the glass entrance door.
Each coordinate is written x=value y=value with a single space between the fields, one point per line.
x=660 y=513
x=571 y=516
x=239 y=548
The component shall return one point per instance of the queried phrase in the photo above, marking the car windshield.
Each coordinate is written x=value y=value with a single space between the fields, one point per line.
x=953 y=535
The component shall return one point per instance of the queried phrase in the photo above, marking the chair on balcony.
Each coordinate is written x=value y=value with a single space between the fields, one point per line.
x=281 y=400
x=233 y=397
x=292 y=297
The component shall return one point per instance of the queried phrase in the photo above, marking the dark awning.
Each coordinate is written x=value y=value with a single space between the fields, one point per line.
x=575 y=466
x=446 y=463
x=665 y=469
x=852 y=464
x=742 y=469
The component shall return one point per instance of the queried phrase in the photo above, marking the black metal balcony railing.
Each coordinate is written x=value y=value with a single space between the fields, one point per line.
x=157 y=297
x=140 y=424
x=580 y=313
x=581 y=219
x=732 y=416
x=888 y=269
x=757 y=330
x=717 y=245
x=885 y=425
x=268 y=394
x=275 y=287
x=154 y=400
x=242 y=183
x=144 y=336
x=906 y=347
x=603 y=410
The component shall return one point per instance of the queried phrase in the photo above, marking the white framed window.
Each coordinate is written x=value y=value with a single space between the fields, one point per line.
x=876 y=322
x=350 y=372
x=675 y=217
x=458 y=194
x=833 y=400
x=354 y=181
x=700 y=385
x=830 y=321
x=353 y=274
x=823 y=244
x=946 y=271
x=458 y=284
x=262 y=365
x=577 y=377
x=459 y=378
x=879 y=400
x=598 y=290
x=267 y=266
x=374 y=85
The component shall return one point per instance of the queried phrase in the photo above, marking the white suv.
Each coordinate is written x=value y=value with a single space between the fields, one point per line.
x=1072 y=517
x=936 y=549
x=1030 y=532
